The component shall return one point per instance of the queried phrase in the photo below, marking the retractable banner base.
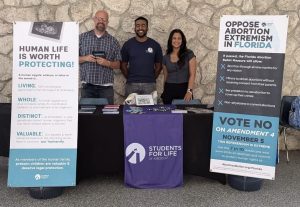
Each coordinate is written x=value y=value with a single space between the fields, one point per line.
x=243 y=183
x=45 y=192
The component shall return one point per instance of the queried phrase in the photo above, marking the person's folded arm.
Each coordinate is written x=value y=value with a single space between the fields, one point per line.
x=87 y=58
x=109 y=64
x=114 y=64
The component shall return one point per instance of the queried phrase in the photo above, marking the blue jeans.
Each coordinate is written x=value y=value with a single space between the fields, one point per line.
x=95 y=91
x=139 y=88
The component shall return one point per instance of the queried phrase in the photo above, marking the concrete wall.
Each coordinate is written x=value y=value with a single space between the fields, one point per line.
x=199 y=20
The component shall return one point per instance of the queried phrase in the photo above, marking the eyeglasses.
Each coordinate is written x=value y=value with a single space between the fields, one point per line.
x=100 y=19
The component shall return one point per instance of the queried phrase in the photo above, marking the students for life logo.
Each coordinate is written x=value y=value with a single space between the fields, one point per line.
x=135 y=153
x=40 y=177
x=149 y=50
x=37 y=176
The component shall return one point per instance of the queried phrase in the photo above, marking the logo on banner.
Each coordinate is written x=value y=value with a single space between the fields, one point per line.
x=37 y=176
x=135 y=153
x=40 y=177
x=164 y=152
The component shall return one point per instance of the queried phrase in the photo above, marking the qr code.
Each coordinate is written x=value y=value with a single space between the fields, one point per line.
x=144 y=101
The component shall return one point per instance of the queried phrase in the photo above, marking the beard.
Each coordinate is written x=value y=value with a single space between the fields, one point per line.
x=100 y=27
x=141 y=34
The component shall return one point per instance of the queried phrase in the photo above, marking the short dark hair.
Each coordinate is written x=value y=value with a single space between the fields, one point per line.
x=141 y=18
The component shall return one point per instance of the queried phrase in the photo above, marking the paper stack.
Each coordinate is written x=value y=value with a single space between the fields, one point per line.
x=179 y=111
x=89 y=109
x=111 y=109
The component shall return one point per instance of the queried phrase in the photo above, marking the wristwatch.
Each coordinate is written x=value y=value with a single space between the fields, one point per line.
x=189 y=90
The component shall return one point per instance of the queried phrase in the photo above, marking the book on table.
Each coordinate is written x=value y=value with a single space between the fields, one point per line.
x=111 y=109
x=107 y=109
x=86 y=110
x=179 y=111
x=112 y=106
x=110 y=112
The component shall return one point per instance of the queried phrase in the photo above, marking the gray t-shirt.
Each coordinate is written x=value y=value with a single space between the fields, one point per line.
x=175 y=73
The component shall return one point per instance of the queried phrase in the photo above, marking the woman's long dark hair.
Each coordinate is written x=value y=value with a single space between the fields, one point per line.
x=183 y=48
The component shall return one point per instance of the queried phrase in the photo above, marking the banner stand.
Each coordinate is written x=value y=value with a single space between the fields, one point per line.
x=44 y=113
x=248 y=96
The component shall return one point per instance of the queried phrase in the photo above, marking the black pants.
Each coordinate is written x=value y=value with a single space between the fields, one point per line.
x=96 y=91
x=173 y=91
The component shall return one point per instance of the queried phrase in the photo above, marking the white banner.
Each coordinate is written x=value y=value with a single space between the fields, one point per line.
x=253 y=33
x=248 y=92
x=44 y=120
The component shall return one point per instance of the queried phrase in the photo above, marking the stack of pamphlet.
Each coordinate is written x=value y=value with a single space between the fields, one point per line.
x=179 y=111
x=111 y=109
x=89 y=109
x=198 y=110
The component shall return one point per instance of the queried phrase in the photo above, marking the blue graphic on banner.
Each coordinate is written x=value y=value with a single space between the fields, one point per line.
x=42 y=167
x=153 y=150
x=245 y=138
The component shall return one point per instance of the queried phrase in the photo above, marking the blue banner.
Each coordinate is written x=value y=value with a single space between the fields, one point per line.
x=245 y=138
x=153 y=150
x=42 y=167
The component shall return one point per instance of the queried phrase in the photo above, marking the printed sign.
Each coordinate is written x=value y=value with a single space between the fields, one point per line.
x=248 y=93
x=153 y=149
x=43 y=145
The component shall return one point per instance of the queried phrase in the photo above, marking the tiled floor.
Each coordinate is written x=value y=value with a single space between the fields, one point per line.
x=197 y=191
